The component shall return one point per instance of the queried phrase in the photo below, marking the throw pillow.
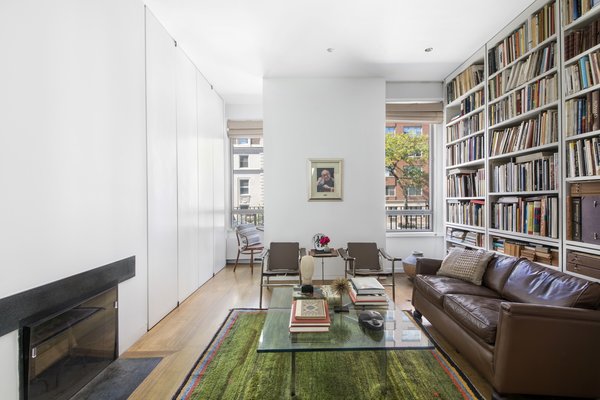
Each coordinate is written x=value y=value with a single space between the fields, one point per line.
x=468 y=265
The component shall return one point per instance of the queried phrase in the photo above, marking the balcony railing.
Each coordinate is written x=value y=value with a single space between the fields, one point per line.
x=250 y=215
x=408 y=220
x=396 y=220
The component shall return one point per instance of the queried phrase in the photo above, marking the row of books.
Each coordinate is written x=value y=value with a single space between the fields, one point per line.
x=465 y=127
x=511 y=48
x=580 y=40
x=465 y=81
x=530 y=251
x=534 y=132
x=573 y=9
x=583 y=157
x=464 y=182
x=583 y=74
x=472 y=102
x=543 y=24
x=530 y=172
x=536 y=94
x=467 y=238
x=582 y=114
x=367 y=291
x=466 y=212
x=309 y=315
x=530 y=215
x=467 y=150
x=537 y=63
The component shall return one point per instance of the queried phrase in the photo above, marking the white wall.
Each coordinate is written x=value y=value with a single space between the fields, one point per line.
x=73 y=155
x=413 y=91
x=324 y=118
x=72 y=152
x=244 y=112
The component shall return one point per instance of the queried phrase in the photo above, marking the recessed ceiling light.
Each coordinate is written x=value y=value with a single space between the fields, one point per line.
x=429 y=50
x=330 y=50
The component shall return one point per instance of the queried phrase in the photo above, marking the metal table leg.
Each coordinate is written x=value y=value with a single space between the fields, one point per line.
x=383 y=371
x=293 y=383
x=322 y=270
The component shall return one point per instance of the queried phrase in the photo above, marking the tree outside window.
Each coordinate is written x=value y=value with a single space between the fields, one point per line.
x=407 y=161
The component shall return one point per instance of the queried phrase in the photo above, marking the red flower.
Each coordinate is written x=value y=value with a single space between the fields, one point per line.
x=324 y=240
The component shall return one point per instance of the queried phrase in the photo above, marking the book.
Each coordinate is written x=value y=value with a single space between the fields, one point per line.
x=294 y=321
x=310 y=308
x=379 y=297
x=367 y=285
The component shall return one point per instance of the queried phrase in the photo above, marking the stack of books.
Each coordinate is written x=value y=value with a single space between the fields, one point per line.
x=367 y=291
x=309 y=315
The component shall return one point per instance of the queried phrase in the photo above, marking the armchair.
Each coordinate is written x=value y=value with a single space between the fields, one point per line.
x=280 y=259
x=364 y=259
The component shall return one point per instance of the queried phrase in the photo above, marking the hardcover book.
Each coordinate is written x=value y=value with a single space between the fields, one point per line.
x=310 y=308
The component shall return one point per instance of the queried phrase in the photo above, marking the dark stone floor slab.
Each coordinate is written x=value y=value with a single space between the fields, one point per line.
x=118 y=380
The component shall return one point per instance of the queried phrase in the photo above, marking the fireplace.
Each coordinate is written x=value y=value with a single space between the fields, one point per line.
x=63 y=352
x=68 y=330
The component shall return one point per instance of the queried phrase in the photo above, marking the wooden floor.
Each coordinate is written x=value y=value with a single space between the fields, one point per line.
x=182 y=335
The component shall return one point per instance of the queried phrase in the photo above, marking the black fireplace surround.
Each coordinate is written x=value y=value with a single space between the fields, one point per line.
x=73 y=322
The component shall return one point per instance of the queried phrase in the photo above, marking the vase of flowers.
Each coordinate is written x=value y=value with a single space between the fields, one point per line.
x=321 y=242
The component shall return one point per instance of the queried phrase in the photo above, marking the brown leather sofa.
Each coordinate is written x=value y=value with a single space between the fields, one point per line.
x=527 y=329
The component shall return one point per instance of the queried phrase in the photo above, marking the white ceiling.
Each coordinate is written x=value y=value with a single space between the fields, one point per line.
x=235 y=43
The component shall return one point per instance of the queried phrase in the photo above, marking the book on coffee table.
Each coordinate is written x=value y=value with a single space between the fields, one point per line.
x=310 y=309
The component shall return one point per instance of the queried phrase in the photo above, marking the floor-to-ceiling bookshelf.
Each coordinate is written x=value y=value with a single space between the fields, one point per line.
x=581 y=131
x=510 y=178
x=465 y=117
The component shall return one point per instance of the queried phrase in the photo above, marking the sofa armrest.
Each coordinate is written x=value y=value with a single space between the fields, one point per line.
x=544 y=349
x=427 y=266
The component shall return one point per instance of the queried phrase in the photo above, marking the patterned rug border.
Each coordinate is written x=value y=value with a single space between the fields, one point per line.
x=450 y=367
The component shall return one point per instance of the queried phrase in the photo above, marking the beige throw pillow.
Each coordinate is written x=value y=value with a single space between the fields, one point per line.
x=468 y=265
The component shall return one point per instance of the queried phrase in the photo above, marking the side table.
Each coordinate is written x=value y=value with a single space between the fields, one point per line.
x=323 y=256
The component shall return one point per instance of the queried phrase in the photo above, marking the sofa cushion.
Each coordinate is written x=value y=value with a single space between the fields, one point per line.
x=532 y=283
x=468 y=265
x=435 y=287
x=497 y=272
x=477 y=314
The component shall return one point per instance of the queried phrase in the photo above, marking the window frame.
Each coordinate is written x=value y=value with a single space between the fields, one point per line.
x=433 y=130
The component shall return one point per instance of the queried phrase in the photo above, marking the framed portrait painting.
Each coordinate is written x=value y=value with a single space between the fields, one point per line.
x=325 y=179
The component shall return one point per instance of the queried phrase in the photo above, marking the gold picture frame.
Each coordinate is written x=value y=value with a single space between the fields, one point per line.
x=325 y=179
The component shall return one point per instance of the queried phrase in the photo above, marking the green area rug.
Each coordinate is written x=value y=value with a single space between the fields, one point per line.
x=230 y=368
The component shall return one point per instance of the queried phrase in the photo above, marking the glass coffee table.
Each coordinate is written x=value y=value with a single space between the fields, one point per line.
x=345 y=333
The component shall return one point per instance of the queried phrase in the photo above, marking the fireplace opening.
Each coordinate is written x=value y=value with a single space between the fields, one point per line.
x=61 y=353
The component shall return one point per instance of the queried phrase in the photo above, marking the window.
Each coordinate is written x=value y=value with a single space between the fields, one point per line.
x=246 y=161
x=408 y=178
x=414 y=191
x=244 y=187
x=390 y=130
